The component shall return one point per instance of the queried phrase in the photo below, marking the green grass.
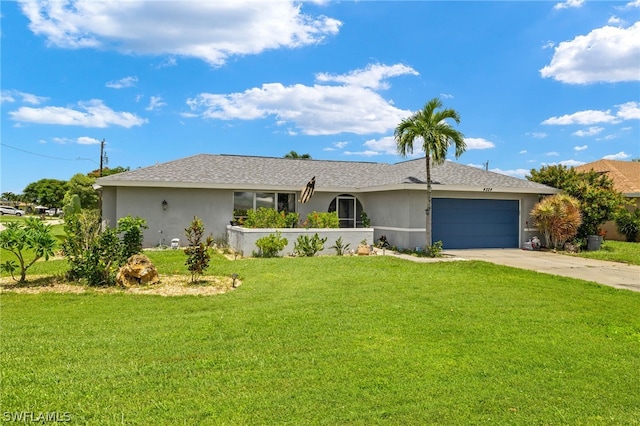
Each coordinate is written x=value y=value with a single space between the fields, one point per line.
x=616 y=251
x=356 y=340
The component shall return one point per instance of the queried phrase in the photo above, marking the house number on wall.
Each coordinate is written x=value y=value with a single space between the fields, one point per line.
x=487 y=189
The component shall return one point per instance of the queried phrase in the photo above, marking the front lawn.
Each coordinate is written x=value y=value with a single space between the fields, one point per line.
x=329 y=340
x=616 y=251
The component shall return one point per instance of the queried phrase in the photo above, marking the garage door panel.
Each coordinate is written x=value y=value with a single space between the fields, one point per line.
x=472 y=223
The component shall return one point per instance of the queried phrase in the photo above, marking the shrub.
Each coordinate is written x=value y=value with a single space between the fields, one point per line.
x=340 y=247
x=271 y=245
x=322 y=220
x=435 y=250
x=365 y=219
x=29 y=238
x=558 y=217
x=132 y=228
x=95 y=254
x=309 y=246
x=270 y=218
x=197 y=252
x=628 y=223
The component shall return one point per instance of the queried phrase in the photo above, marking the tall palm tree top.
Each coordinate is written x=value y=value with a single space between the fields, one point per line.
x=430 y=125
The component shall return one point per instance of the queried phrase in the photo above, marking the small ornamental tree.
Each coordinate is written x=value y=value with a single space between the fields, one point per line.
x=558 y=217
x=29 y=241
x=197 y=252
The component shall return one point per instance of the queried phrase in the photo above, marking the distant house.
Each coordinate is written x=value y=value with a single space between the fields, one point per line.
x=471 y=208
x=626 y=179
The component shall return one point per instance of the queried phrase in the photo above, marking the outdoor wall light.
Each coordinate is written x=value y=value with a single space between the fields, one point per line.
x=164 y=204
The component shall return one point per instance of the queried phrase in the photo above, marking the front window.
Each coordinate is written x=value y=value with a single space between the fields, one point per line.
x=244 y=201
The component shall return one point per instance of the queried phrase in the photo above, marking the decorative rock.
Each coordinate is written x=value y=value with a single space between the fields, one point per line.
x=363 y=250
x=137 y=271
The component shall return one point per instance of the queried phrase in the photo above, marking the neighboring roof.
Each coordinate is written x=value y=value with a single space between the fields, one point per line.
x=248 y=172
x=624 y=174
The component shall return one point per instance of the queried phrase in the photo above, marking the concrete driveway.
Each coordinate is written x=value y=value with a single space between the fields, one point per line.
x=618 y=275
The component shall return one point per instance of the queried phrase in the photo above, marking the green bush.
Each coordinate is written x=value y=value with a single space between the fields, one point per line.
x=322 y=220
x=270 y=218
x=131 y=227
x=628 y=223
x=309 y=246
x=271 y=245
x=435 y=250
x=95 y=254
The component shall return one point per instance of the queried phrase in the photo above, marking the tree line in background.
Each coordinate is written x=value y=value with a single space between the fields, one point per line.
x=55 y=193
x=588 y=200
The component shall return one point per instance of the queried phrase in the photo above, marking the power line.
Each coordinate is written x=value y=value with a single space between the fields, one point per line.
x=47 y=156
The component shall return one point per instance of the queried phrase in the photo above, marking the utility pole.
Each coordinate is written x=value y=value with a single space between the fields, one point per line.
x=101 y=155
x=486 y=165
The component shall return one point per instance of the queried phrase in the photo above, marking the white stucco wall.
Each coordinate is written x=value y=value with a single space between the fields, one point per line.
x=244 y=240
x=214 y=207
x=399 y=215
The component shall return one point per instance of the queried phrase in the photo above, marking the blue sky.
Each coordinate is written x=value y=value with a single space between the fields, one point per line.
x=535 y=83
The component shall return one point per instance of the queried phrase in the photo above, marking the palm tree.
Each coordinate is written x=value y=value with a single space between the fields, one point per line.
x=430 y=126
x=293 y=154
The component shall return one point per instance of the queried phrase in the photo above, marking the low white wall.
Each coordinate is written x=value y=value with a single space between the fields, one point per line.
x=244 y=240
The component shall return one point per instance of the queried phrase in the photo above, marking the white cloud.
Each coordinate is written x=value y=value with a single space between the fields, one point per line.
x=209 y=30
x=571 y=163
x=155 y=103
x=549 y=45
x=374 y=76
x=582 y=117
x=607 y=54
x=92 y=113
x=635 y=3
x=478 y=143
x=446 y=96
x=519 y=173
x=385 y=145
x=551 y=154
x=537 y=135
x=619 y=156
x=315 y=110
x=9 y=96
x=613 y=20
x=591 y=131
x=86 y=140
x=629 y=111
x=580 y=148
x=122 y=83
x=524 y=151
x=569 y=3
x=340 y=145
x=362 y=153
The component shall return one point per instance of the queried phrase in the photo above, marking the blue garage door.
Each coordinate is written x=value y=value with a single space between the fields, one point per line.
x=464 y=223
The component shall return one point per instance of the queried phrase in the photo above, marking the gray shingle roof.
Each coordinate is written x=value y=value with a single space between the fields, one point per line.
x=206 y=170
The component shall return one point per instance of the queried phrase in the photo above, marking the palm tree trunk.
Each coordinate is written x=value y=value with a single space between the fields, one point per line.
x=427 y=228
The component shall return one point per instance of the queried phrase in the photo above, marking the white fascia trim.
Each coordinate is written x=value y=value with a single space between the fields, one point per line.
x=382 y=188
x=461 y=188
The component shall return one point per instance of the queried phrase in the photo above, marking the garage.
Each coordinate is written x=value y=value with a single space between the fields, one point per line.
x=469 y=223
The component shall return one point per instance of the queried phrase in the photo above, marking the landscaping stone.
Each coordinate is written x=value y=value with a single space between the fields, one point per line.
x=137 y=271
